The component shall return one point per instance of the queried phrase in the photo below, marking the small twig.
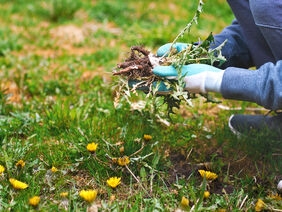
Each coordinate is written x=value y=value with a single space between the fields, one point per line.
x=81 y=132
x=102 y=162
x=189 y=153
x=108 y=156
x=205 y=164
x=42 y=161
x=276 y=154
x=109 y=144
x=192 y=209
x=142 y=158
x=137 y=180
x=274 y=209
x=243 y=202
x=142 y=147
x=237 y=161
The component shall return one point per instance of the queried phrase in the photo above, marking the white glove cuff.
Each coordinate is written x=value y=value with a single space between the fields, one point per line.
x=196 y=82
x=204 y=82
x=213 y=81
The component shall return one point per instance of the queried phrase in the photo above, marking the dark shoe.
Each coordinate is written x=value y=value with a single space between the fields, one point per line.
x=244 y=124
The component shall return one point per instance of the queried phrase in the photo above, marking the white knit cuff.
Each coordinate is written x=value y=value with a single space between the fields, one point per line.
x=213 y=81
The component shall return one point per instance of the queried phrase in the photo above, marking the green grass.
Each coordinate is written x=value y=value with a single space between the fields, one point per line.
x=57 y=96
x=8 y=42
x=59 y=10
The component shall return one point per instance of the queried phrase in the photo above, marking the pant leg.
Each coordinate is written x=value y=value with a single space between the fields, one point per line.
x=258 y=46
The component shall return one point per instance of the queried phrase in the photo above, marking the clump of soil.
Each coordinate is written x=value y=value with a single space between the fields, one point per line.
x=137 y=65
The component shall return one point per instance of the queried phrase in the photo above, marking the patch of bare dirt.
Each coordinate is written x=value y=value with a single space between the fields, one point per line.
x=92 y=27
x=73 y=34
x=83 y=179
x=218 y=187
x=182 y=167
x=12 y=90
x=66 y=39
x=68 y=33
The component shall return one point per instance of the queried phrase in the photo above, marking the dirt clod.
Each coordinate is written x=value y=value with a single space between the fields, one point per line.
x=136 y=65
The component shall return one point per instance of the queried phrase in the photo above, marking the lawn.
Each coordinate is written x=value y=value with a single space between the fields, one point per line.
x=57 y=102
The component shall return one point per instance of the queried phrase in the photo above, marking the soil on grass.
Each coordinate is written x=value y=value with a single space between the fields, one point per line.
x=182 y=168
x=137 y=65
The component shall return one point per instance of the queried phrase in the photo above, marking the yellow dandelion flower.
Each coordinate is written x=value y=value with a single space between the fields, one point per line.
x=54 y=169
x=208 y=175
x=20 y=163
x=123 y=161
x=64 y=194
x=207 y=194
x=147 y=137
x=92 y=147
x=275 y=197
x=34 y=200
x=18 y=184
x=2 y=169
x=113 y=182
x=259 y=205
x=184 y=202
x=88 y=195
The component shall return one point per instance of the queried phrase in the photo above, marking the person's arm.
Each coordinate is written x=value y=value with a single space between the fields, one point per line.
x=235 y=50
x=262 y=86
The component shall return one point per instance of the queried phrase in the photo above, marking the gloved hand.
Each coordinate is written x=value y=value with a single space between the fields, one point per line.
x=199 y=78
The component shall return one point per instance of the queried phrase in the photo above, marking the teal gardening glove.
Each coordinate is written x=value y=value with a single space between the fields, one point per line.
x=199 y=78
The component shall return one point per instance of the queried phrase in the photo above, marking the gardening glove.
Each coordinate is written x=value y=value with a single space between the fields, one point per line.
x=199 y=78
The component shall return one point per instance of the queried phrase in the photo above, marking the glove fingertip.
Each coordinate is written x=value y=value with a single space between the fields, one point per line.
x=158 y=70
x=163 y=50
x=180 y=46
x=164 y=71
